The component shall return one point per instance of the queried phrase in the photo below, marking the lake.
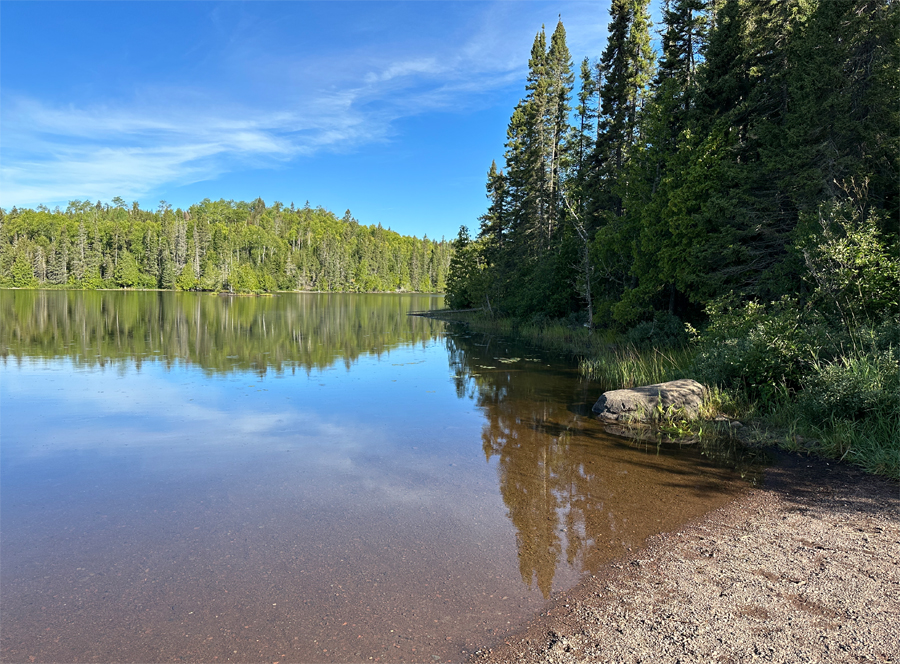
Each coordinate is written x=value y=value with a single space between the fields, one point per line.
x=305 y=477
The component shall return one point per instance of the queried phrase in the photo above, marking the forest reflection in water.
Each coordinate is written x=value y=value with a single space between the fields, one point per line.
x=216 y=332
x=578 y=496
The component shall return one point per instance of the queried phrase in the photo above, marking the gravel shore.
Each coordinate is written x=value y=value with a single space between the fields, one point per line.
x=805 y=569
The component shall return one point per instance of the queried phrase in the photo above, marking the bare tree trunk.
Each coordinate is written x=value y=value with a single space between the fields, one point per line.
x=586 y=267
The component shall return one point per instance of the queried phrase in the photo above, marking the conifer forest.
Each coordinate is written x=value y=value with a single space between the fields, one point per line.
x=724 y=207
x=652 y=182
x=214 y=246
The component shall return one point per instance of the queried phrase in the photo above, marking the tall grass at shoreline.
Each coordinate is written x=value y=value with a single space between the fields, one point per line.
x=871 y=443
x=550 y=334
x=616 y=367
x=601 y=357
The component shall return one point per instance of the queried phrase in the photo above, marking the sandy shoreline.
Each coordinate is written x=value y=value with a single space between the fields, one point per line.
x=804 y=569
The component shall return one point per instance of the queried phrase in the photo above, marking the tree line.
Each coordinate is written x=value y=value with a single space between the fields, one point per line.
x=759 y=132
x=213 y=246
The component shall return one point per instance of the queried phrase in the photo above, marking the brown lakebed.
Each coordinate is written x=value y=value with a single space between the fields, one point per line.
x=303 y=478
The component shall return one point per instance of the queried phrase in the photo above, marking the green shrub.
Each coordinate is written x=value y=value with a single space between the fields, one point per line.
x=862 y=384
x=765 y=350
x=664 y=331
x=854 y=270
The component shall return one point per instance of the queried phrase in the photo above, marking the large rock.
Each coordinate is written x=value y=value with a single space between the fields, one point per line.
x=677 y=398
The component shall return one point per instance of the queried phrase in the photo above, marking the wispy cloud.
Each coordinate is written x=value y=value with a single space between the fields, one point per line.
x=335 y=101
x=53 y=153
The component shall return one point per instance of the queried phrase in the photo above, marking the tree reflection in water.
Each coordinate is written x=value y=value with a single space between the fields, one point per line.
x=569 y=486
x=220 y=334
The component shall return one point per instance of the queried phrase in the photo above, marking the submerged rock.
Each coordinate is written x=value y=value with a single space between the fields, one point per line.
x=677 y=398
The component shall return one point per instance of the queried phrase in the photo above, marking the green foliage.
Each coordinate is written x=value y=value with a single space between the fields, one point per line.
x=127 y=272
x=186 y=280
x=462 y=279
x=861 y=384
x=242 y=279
x=664 y=331
x=259 y=247
x=852 y=268
x=22 y=272
x=765 y=350
x=821 y=372
x=727 y=172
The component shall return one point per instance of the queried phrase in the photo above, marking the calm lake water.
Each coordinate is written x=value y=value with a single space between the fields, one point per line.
x=307 y=477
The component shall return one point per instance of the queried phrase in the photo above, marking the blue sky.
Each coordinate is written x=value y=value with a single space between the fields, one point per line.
x=391 y=109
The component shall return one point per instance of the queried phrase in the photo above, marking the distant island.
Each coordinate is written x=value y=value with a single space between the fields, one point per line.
x=219 y=245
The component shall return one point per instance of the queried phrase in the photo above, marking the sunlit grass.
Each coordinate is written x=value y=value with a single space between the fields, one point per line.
x=872 y=442
x=618 y=367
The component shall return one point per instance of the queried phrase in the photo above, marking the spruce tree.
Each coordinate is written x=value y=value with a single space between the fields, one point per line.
x=494 y=221
x=844 y=124
x=627 y=65
x=656 y=166
x=558 y=159
x=588 y=113
x=536 y=146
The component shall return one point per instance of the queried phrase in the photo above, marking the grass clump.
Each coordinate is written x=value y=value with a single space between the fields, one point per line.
x=616 y=367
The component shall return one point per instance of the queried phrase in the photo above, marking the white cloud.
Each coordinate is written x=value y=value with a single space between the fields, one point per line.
x=173 y=137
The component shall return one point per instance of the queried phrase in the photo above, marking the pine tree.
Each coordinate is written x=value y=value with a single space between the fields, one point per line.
x=22 y=270
x=627 y=65
x=79 y=257
x=588 y=113
x=494 y=222
x=461 y=275
x=683 y=41
x=180 y=244
x=843 y=120
x=517 y=181
x=58 y=258
x=656 y=166
x=558 y=160
x=738 y=204
x=536 y=146
x=195 y=252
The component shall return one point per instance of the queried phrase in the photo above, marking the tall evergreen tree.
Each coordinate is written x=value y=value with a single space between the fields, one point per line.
x=627 y=66
x=588 y=113
x=461 y=275
x=656 y=165
x=843 y=124
x=494 y=222
x=536 y=146
x=558 y=159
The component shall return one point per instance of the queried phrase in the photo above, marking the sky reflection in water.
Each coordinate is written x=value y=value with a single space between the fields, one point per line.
x=317 y=451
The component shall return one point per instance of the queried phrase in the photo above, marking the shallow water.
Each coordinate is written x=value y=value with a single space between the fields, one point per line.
x=300 y=478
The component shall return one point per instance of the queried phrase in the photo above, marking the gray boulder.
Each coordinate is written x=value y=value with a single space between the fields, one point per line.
x=677 y=398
